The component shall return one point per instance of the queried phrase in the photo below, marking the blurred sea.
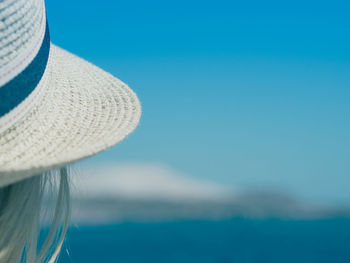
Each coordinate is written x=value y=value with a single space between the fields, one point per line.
x=239 y=240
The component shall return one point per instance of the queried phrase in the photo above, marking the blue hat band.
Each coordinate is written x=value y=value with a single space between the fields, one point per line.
x=20 y=87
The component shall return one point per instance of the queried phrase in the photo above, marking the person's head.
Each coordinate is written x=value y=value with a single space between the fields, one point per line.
x=55 y=109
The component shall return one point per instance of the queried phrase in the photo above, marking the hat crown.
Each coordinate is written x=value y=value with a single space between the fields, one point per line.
x=21 y=23
x=24 y=53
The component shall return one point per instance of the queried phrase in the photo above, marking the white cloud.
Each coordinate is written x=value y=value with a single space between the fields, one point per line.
x=144 y=181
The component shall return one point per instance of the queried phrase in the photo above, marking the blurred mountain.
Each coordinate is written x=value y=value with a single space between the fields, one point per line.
x=256 y=205
x=149 y=192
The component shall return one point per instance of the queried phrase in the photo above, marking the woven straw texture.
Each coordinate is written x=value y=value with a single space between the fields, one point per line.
x=20 y=23
x=82 y=110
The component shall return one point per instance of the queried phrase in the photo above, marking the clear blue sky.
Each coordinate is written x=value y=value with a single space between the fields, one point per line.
x=248 y=93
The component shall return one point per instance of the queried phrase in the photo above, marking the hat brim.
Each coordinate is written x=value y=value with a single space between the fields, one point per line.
x=83 y=110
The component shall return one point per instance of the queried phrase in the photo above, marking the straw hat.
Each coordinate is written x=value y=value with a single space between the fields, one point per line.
x=55 y=108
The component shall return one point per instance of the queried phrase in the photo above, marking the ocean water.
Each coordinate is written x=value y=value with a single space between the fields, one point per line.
x=200 y=241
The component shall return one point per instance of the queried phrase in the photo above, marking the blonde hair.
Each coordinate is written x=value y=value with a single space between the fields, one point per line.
x=22 y=208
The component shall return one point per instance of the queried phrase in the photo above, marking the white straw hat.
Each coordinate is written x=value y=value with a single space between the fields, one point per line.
x=55 y=108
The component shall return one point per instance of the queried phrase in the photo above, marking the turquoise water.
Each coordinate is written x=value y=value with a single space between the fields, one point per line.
x=235 y=240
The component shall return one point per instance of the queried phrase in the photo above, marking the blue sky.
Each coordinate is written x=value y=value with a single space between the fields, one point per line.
x=249 y=94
